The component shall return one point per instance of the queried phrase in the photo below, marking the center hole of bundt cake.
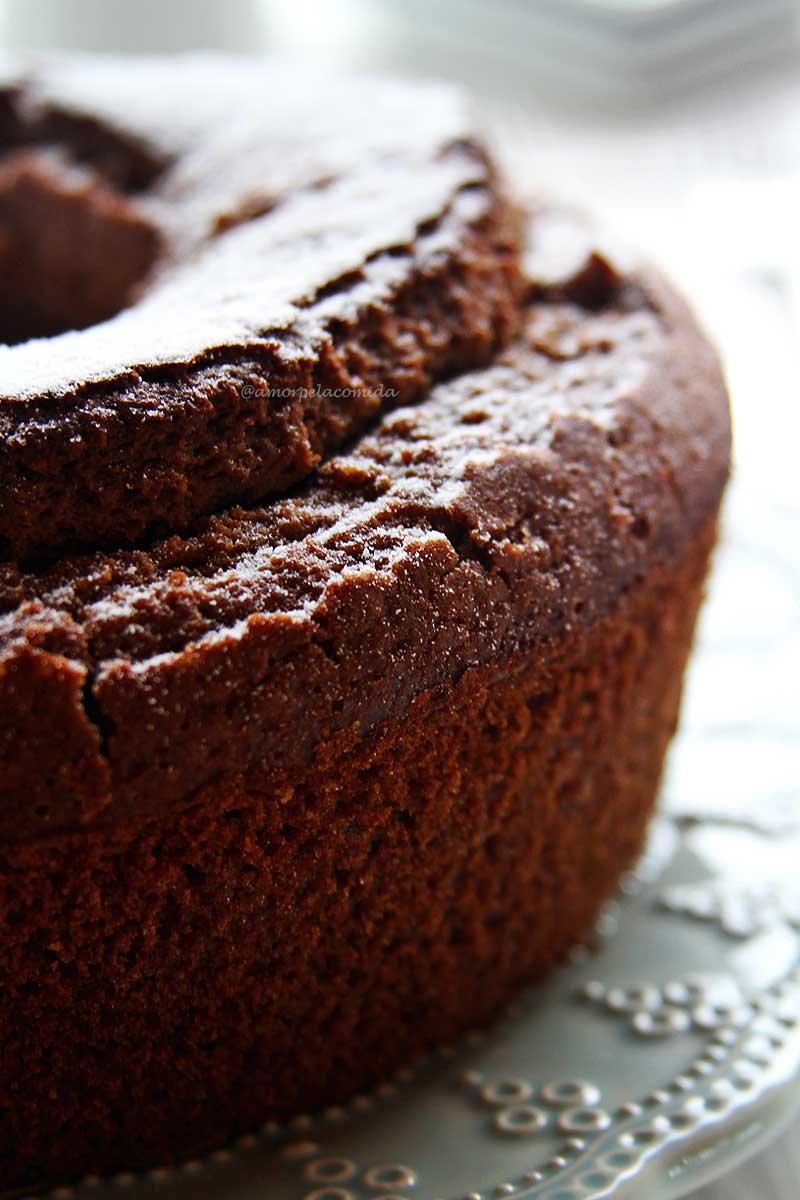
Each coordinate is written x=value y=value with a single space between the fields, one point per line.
x=73 y=250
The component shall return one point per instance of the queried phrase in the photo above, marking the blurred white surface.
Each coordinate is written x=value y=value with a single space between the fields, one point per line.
x=140 y=26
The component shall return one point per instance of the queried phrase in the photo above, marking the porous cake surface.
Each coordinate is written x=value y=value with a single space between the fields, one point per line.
x=512 y=505
x=214 y=277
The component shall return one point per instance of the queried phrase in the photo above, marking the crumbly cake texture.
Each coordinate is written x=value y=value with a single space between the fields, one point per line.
x=258 y=275
x=296 y=794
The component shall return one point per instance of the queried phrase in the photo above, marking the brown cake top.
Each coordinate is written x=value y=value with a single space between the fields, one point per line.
x=177 y=230
x=509 y=508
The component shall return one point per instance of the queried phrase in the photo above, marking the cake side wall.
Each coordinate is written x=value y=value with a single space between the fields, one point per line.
x=266 y=951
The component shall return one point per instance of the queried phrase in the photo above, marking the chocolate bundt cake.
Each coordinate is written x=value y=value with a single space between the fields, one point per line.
x=301 y=787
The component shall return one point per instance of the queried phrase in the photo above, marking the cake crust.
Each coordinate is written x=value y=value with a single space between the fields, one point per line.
x=510 y=506
x=281 y=274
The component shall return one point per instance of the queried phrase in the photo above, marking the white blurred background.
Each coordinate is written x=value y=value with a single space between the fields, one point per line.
x=678 y=121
